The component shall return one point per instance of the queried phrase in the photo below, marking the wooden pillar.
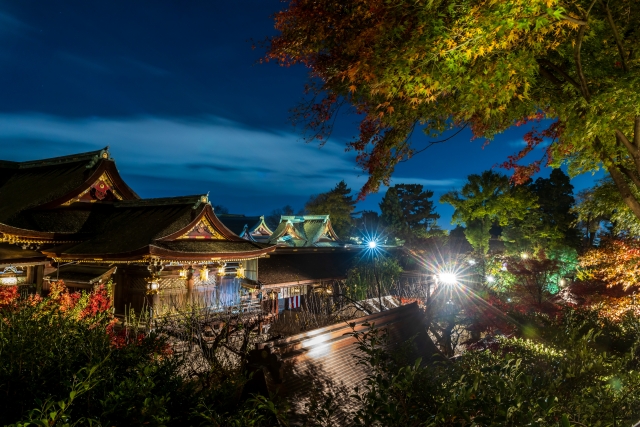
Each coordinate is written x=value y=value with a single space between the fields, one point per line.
x=189 y=283
x=38 y=272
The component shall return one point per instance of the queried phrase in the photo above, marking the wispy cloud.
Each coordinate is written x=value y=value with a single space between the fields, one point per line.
x=11 y=25
x=214 y=154
x=248 y=169
x=429 y=184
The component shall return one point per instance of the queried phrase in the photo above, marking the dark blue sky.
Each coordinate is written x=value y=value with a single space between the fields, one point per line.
x=174 y=89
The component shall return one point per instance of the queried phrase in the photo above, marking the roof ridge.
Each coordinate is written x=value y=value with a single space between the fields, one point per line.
x=92 y=156
x=195 y=200
x=302 y=218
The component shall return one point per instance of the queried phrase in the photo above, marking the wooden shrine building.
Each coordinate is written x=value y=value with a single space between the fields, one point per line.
x=76 y=212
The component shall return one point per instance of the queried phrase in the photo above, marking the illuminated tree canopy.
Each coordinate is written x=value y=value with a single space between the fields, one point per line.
x=485 y=64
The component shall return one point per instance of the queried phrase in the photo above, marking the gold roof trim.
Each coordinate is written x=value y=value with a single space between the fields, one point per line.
x=107 y=180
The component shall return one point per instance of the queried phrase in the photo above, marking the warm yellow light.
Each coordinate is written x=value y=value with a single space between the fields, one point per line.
x=204 y=274
x=221 y=270
x=524 y=255
x=240 y=271
x=152 y=286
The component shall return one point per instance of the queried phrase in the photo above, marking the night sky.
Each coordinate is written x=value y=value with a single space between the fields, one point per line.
x=175 y=90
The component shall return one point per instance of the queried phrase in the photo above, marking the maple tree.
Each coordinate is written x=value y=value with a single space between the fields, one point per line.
x=602 y=203
x=484 y=64
x=614 y=262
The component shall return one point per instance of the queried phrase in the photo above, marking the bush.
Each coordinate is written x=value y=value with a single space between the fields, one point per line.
x=63 y=361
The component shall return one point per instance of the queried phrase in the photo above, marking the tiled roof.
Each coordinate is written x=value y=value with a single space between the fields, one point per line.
x=133 y=229
x=26 y=185
x=305 y=266
x=14 y=254
x=323 y=359
x=82 y=274
x=308 y=230
x=202 y=246
x=67 y=219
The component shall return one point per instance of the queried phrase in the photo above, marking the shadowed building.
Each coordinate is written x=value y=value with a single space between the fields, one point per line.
x=288 y=277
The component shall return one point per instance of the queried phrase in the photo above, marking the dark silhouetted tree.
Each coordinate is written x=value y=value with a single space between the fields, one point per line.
x=338 y=204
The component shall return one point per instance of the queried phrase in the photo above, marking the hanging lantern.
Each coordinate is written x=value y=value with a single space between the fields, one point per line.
x=240 y=271
x=204 y=274
x=153 y=286
x=183 y=273
x=222 y=269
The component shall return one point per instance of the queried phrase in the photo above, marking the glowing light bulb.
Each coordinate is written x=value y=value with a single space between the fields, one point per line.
x=491 y=279
x=372 y=244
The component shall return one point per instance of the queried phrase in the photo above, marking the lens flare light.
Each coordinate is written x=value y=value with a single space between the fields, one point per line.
x=448 y=278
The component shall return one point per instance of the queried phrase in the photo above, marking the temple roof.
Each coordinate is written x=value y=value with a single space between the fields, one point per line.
x=53 y=182
x=292 y=268
x=253 y=228
x=168 y=228
x=306 y=230
x=82 y=274
x=15 y=255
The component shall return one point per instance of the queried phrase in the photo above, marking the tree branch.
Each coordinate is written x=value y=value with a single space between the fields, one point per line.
x=553 y=79
x=618 y=178
x=573 y=20
x=576 y=54
x=559 y=70
x=631 y=148
x=616 y=35
x=621 y=138
x=631 y=175
x=636 y=132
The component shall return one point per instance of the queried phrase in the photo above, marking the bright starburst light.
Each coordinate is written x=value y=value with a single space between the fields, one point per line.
x=448 y=278
x=372 y=244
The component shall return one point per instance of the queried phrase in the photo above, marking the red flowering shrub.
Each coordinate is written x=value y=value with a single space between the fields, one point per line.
x=98 y=302
x=8 y=295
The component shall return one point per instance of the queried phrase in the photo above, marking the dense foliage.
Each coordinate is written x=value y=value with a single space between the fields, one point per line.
x=573 y=370
x=64 y=362
x=484 y=201
x=408 y=212
x=550 y=225
x=602 y=211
